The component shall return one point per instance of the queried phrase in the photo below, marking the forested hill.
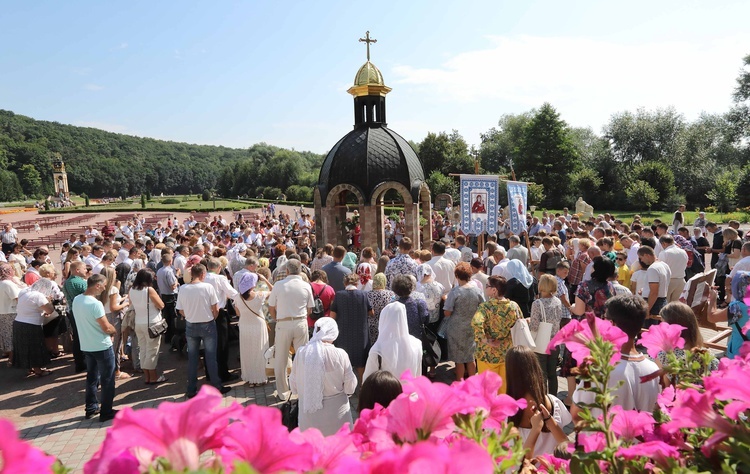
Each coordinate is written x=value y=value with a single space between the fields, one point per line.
x=102 y=163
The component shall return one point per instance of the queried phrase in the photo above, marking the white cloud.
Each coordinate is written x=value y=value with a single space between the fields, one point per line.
x=587 y=80
x=93 y=87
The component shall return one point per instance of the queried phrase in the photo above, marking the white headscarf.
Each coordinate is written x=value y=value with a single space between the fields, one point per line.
x=313 y=354
x=398 y=350
x=518 y=271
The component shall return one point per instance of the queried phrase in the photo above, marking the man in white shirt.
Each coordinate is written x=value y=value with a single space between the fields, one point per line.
x=442 y=267
x=97 y=252
x=655 y=291
x=593 y=252
x=676 y=259
x=631 y=245
x=627 y=313
x=290 y=303
x=124 y=252
x=501 y=265
x=180 y=259
x=225 y=292
x=91 y=235
x=198 y=303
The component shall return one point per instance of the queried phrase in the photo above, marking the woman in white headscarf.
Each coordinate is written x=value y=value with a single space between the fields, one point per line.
x=395 y=350
x=323 y=378
x=521 y=287
x=253 y=329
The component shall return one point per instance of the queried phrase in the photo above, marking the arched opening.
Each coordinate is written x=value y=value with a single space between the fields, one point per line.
x=341 y=203
x=392 y=202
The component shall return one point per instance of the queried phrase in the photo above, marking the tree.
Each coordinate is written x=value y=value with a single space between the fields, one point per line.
x=659 y=177
x=646 y=136
x=439 y=184
x=206 y=195
x=446 y=153
x=739 y=115
x=724 y=192
x=640 y=194
x=547 y=154
x=10 y=187
x=586 y=182
x=743 y=188
x=500 y=144
x=31 y=182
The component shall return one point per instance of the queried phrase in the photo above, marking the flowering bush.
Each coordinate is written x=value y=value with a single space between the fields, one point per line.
x=699 y=425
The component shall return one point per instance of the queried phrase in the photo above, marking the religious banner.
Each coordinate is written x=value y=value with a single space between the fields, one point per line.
x=517 y=193
x=479 y=204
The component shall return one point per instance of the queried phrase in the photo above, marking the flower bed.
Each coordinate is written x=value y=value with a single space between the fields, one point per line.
x=699 y=426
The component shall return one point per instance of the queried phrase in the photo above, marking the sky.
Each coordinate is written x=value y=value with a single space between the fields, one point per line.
x=235 y=73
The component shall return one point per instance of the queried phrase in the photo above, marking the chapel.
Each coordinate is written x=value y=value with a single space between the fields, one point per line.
x=370 y=168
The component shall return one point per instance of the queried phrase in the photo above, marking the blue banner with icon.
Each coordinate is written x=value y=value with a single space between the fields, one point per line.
x=479 y=204
x=517 y=195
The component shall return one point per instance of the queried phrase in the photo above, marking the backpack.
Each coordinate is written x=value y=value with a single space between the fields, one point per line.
x=556 y=258
x=317 y=311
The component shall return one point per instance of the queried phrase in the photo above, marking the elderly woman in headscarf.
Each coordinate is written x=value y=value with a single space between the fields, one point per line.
x=378 y=297
x=33 y=310
x=736 y=314
x=10 y=287
x=431 y=289
x=192 y=261
x=396 y=350
x=253 y=329
x=52 y=328
x=350 y=261
x=323 y=378
x=520 y=287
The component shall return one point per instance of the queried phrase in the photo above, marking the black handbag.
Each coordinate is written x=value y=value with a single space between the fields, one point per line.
x=430 y=348
x=157 y=329
x=290 y=413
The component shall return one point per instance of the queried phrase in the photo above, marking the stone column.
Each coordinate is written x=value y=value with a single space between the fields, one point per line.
x=368 y=220
x=412 y=224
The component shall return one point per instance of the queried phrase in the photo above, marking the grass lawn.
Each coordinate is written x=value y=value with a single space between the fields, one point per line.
x=188 y=203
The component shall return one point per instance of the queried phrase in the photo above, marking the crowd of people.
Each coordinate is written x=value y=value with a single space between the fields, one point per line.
x=332 y=321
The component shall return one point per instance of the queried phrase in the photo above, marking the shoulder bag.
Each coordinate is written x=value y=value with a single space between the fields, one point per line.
x=544 y=333
x=156 y=329
x=290 y=413
x=521 y=334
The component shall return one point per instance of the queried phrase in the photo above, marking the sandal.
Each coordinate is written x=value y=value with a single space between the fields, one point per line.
x=122 y=376
x=161 y=379
x=42 y=373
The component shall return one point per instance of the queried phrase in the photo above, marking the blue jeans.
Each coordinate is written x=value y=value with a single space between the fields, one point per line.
x=194 y=333
x=100 y=367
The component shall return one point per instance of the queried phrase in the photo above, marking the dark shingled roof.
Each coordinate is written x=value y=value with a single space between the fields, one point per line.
x=370 y=155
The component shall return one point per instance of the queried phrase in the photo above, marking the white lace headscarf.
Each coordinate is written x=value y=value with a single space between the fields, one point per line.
x=326 y=330
x=398 y=350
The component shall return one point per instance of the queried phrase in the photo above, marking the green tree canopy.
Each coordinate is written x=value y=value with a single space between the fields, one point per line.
x=547 y=154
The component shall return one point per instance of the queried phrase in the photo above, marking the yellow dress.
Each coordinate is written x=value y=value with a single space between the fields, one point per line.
x=493 y=321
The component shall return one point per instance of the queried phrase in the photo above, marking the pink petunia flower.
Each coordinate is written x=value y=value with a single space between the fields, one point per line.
x=666 y=399
x=179 y=432
x=17 y=456
x=429 y=457
x=328 y=452
x=481 y=391
x=663 y=337
x=549 y=463
x=658 y=451
x=576 y=334
x=592 y=442
x=424 y=409
x=731 y=383
x=693 y=409
x=630 y=424
x=259 y=438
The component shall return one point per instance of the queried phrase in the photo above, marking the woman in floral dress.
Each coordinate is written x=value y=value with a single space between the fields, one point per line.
x=378 y=297
x=492 y=324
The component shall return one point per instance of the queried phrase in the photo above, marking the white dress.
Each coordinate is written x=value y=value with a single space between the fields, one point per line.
x=253 y=337
x=339 y=382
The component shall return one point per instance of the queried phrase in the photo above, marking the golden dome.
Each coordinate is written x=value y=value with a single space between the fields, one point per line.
x=368 y=74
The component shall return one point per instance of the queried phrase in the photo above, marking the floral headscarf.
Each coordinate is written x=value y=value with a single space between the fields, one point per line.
x=379 y=281
x=6 y=271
